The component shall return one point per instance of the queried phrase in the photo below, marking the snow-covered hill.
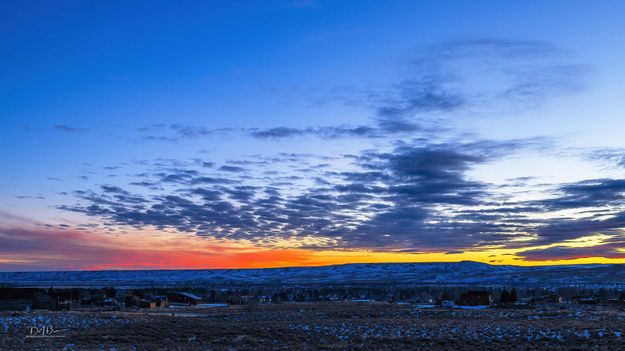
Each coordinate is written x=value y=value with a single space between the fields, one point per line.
x=466 y=272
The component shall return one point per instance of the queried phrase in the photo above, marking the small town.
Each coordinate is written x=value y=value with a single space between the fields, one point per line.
x=426 y=318
x=112 y=299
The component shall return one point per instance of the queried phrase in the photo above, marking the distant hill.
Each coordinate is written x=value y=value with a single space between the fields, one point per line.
x=461 y=273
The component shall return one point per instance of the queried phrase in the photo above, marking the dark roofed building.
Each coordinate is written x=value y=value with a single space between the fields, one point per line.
x=185 y=297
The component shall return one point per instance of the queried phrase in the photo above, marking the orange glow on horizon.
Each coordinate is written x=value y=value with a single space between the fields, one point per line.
x=81 y=250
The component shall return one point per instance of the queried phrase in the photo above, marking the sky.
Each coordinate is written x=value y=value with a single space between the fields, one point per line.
x=234 y=134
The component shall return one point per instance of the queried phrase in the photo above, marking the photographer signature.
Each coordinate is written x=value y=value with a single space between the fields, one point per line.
x=45 y=331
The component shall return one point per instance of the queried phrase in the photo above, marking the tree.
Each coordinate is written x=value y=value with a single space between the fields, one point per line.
x=251 y=302
x=513 y=295
x=505 y=296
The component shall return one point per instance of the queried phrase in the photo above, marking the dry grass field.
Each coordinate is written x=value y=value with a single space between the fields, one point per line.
x=321 y=326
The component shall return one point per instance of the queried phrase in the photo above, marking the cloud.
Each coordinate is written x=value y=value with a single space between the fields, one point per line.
x=328 y=132
x=559 y=230
x=607 y=250
x=437 y=84
x=234 y=169
x=418 y=96
x=588 y=193
x=398 y=200
x=593 y=206
x=69 y=129
x=39 y=197
x=613 y=156
x=416 y=197
x=456 y=253
x=175 y=133
x=463 y=78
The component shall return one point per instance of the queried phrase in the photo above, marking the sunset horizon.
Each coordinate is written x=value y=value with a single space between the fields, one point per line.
x=115 y=253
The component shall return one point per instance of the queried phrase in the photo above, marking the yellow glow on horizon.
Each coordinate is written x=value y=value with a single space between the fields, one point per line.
x=294 y=255
x=144 y=249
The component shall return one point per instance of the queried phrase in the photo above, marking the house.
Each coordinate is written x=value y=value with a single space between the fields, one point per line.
x=15 y=299
x=64 y=297
x=184 y=297
x=362 y=300
x=447 y=303
x=44 y=301
x=120 y=294
x=84 y=296
x=135 y=301
x=131 y=301
x=585 y=299
x=474 y=298
x=445 y=300
x=147 y=304
x=263 y=299
x=109 y=301
x=98 y=296
x=333 y=297
x=160 y=300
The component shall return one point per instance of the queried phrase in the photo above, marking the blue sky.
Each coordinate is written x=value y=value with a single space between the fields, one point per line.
x=484 y=104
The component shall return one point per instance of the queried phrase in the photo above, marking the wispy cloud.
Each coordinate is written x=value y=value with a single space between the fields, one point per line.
x=610 y=249
x=69 y=129
x=463 y=78
x=438 y=84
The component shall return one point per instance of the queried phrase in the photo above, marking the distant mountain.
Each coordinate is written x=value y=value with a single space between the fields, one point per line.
x=461 y=273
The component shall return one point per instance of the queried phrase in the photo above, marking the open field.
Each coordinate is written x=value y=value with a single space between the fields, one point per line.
x=434 y=273
x=325 y=326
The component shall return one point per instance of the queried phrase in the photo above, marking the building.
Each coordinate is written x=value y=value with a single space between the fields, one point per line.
x=131 y=301
x=64 y=297
x=160 y=300
x=445 y=300
x=184 y=297
x=147 y=304
x=19 y=299
x=44 y=301
x=447 y=303
x=585 y=300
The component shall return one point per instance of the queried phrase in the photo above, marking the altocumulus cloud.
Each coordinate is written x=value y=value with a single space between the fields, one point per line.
x=406 y=199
